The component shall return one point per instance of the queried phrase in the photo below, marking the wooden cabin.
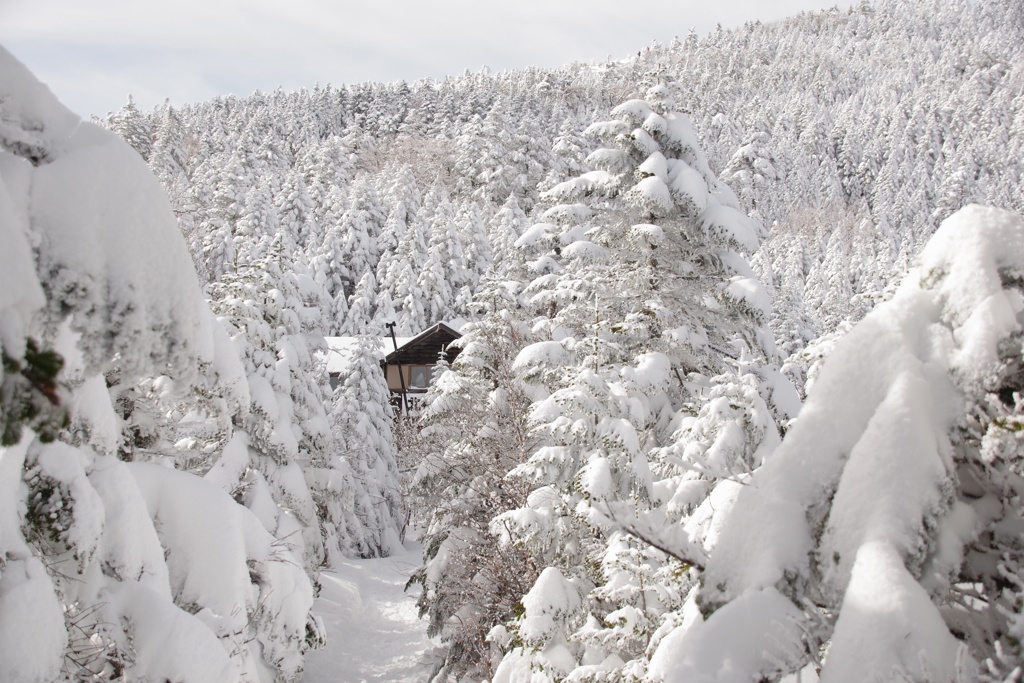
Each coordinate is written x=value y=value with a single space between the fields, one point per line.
x=410 y=368
x=416 y=356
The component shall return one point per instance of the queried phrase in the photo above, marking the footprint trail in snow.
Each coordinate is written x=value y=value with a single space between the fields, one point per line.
x=373 y=632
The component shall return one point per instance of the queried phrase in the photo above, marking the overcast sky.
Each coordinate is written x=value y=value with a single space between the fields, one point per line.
x=93 y=54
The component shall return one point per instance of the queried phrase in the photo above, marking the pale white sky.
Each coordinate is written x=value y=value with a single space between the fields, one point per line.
x=93 y=54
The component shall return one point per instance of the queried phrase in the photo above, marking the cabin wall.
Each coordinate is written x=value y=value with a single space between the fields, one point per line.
x=417 y=377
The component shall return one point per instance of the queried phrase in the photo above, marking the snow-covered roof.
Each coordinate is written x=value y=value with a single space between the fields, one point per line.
x=426 y=344
x=340 y=348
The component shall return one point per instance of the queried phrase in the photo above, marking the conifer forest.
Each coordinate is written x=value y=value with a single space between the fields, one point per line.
x=738 y=397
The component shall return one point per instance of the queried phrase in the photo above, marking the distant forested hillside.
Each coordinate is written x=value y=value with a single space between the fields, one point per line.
x=849 y=134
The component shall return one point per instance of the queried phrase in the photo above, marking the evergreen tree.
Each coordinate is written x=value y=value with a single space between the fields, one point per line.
x=295 y=211
x=364 y=508
x=505 y=229
x=362 y=310
x=476 y=432
x=133 y=127
x=644 y=285
x=287 y=425
x=116 y=569
x=878 y=490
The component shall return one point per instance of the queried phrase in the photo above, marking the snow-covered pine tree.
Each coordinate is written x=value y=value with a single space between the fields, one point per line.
x=353 y=247
x=873 y=544
x=477 y=249
x=751 y=171
x=504 y=229
x=295 y=211
x=403 y=245
x=228 y=185
x=364 y=216
x=133 y=128
x=364 y=507
x=475 y=432
x=444 y=267
x=329 y=264
x=286 y=424
x=362 y=311
x=646 y=284
x=114 y=570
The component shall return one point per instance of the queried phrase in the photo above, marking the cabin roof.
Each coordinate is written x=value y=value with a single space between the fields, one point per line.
x=423 y=349
x=426 y=344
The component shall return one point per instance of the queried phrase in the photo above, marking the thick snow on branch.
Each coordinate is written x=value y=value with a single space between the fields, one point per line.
x=109 y=252
x=633 y=112
x=594 y=183
x=757 y=636
x=855 y=507
x=730 y=227
x=965 y=264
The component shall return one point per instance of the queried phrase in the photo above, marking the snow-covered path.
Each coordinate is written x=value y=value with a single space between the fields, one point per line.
x=374 y=635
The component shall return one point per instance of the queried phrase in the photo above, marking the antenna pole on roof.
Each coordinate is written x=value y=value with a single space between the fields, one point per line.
x=398 y=362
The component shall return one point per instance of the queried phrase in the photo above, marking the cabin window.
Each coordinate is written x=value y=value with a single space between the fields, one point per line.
x=419 y=377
